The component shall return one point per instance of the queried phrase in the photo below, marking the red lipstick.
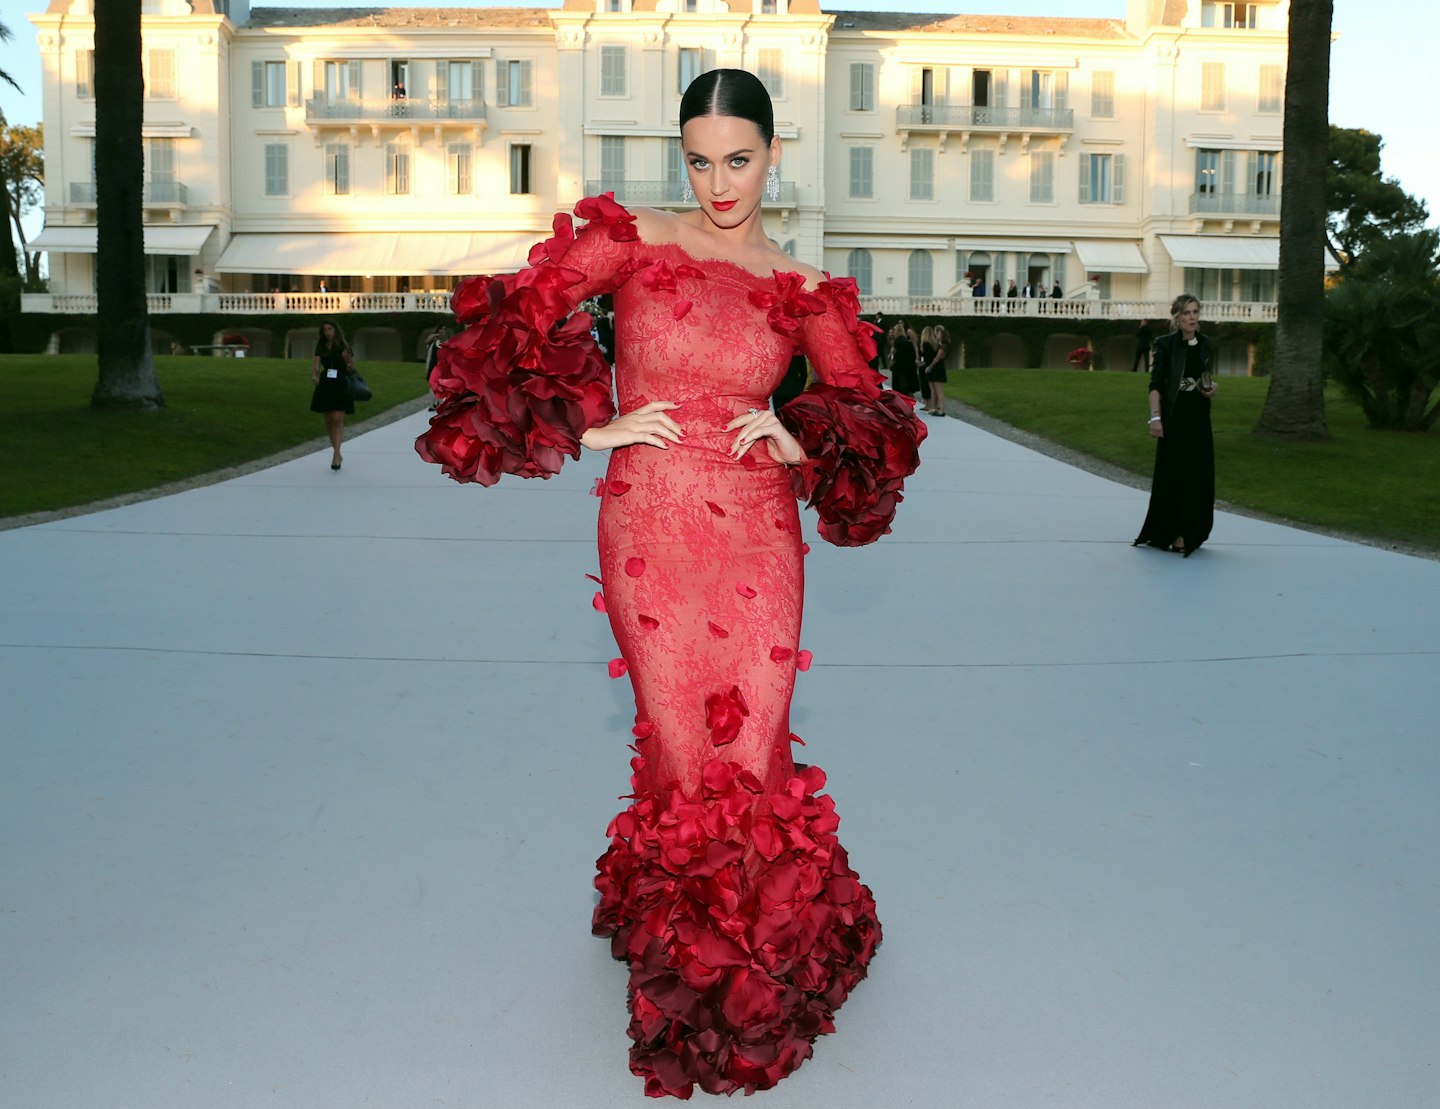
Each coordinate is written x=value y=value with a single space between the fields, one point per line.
x=723 y=205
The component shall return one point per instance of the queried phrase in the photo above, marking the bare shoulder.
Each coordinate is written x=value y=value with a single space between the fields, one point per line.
x=812 y=276
x=656 y=226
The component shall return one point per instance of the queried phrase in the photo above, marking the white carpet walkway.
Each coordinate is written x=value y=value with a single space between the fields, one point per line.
x=302 y=777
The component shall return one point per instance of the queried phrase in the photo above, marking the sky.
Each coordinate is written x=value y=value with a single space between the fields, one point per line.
x=1383 y=75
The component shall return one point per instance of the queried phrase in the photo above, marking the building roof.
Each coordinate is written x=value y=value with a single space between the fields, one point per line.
x=934 y=23
x=880 y=22
x=398 y=17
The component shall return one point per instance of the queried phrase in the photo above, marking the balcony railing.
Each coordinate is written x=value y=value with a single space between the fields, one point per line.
x=973 y=117
x=1235 y=204
x=401 y=111
x=170 y=193
x=164 y=192
x=666 y=194
x=260 y=304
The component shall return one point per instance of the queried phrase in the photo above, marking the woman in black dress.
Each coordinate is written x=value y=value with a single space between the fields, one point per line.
x=933 y=371
x=331 y=370
x=904 y=361
x=1182 y=492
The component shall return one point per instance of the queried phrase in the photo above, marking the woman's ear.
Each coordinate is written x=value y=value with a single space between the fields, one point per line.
x=775 y=151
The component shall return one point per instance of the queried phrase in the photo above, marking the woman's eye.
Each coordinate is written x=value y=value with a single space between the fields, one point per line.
x=698 y=163
x=739 y=162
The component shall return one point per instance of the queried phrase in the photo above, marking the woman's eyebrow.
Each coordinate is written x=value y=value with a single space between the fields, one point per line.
x=732 y=154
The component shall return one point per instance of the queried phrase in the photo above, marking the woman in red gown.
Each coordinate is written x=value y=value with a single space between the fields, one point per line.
x=724 y=887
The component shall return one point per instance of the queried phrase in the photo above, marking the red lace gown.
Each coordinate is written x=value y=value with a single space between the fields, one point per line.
x=724 y=887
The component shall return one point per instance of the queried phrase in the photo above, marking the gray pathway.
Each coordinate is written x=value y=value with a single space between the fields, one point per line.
x=304 y=774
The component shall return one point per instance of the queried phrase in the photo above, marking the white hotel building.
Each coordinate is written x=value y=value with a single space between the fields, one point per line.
x=387 y=152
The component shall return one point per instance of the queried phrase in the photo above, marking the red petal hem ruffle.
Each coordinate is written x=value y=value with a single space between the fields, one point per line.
x=743 y=925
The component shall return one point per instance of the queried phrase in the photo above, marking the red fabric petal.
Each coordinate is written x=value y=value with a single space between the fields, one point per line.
x=803 y=660
x=618 y=668
x=643 y=729
x=780 y=654
x=717 y=631
x=724 y=714
x=617 y=488
x=598 y=489
x=634 y=567
x=746 y=591
x=598 y=604
x=604 y=211
x=648 y=623
x=682 y=309
x=715 y=508
x=593 y=578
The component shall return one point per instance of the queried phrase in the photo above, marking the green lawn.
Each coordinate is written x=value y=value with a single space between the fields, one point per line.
x=56 y=451
x=1375 y=483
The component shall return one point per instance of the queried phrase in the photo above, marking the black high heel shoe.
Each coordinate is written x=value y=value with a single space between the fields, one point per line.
x=336 y=464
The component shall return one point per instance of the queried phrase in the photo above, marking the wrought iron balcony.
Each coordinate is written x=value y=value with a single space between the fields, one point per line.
x=1235 y=204
x=666 y=194
x=401 y=111
x=979 y=117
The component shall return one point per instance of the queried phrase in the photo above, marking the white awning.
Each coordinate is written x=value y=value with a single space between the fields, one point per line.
x=938 y=242
x=1110 y=256
x=159 y=239
x=1221 y=252
x=375 y=254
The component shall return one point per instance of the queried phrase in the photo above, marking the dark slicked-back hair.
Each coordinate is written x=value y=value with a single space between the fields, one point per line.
x=729 y=92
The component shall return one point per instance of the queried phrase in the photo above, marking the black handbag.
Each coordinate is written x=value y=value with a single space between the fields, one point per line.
x=359 y=390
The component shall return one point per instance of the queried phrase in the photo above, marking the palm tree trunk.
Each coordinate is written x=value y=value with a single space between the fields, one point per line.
x=1295 y=402
x=127 y=370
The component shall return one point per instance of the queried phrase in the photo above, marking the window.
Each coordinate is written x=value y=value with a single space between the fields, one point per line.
x=459 y=82
x=769 y=7
x=691 y=61
x=1263 y=164
x=514 y=84
x=160 y=160
x=1214 y=172
x=1258 y=286
x=1238 y=16
x=84 y=74
x=399 y=79
x=612 y=163
x=859 y=266
x=277 y=169
x=1102 y=179
x=862 y=171
x=160 y=75
x=612 y=71
x=1272 y=89
x=337 y=168
x=519 y=168
x=1102 y=94
x=340 y=80
x=920 y=274
x=459 y=158
x=397 y=168
x=1044 y=90
x=274 y=84
x=1042 y=177
x=982 y=175
x=922 y=173
x=770 y=68
x=1212 y=87
x=674 y=171
x=862 y=87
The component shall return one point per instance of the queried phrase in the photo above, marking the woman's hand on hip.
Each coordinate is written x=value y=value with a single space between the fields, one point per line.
x=761 y=423
x=647 y=424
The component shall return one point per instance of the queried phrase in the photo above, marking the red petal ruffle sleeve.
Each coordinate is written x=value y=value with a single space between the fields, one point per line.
x=525 y=379
x=862 y=441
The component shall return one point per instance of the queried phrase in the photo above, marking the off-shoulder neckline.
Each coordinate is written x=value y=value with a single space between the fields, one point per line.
x=725 y=263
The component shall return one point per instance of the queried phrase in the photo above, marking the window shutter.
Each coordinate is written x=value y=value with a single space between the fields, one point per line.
x=916 y=77
x=292 y=83
x=354 y=80
x=525 y=94
x=1117 y=179
x=319 y=74
x=958 y=81
x=257 y=84
x=1027 y=88
x=1062 y=89
x=477 y=81
x=1227 y=172
x=502 y=83
x=997 y=84
x=1085 y=179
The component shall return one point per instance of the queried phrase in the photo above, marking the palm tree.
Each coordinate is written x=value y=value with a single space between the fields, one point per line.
x=9 y=263
x=1295 y=402
x=127 y=370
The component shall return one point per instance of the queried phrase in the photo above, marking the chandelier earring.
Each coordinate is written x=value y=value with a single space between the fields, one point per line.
x=772 y=183
x=687 y=194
